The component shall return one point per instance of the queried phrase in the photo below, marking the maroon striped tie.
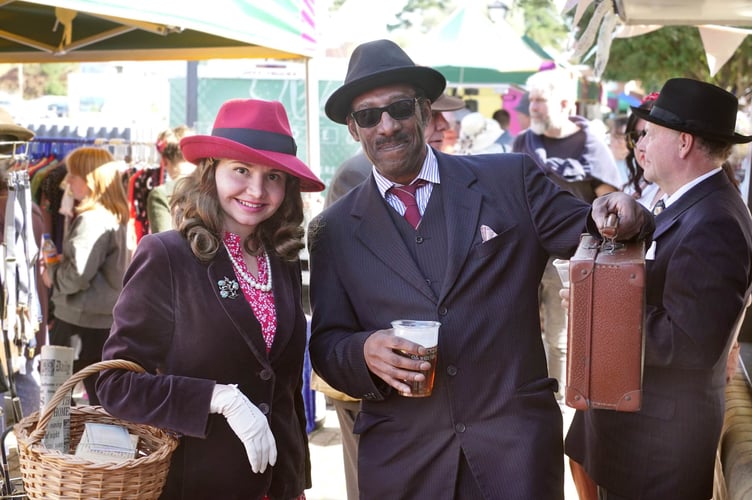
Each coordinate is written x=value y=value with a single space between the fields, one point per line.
x=406 y=194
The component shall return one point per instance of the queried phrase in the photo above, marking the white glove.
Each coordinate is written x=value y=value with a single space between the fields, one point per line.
x=248 y=423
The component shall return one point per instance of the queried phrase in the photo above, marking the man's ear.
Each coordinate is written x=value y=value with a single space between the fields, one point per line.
x=686 y=141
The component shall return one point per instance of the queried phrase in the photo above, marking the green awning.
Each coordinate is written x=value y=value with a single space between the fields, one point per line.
x=112 y=30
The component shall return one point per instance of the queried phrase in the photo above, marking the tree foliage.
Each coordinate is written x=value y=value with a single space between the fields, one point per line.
x=674 y=51
x=418 y=14
x=38 y=79
x=544 y=24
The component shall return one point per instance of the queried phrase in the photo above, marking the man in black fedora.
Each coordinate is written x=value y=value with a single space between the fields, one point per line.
x=466 y=247
x=699 y=271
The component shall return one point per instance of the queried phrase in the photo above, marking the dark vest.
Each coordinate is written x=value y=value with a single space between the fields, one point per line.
x=428 y=244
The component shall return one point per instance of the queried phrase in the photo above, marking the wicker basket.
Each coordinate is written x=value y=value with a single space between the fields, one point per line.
x=50 y=474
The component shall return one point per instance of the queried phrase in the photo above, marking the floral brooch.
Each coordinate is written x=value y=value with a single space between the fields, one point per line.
x=228 y=289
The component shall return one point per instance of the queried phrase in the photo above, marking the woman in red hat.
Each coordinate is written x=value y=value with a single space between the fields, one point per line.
x=213 y=311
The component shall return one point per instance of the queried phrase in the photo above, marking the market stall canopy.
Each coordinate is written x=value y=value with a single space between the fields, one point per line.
x=718 y=22
x=112 y=30
x=685 y=12
x=470 y=48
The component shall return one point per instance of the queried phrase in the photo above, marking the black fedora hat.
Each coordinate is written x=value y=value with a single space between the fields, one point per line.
x=376 y=64
x=696 y=107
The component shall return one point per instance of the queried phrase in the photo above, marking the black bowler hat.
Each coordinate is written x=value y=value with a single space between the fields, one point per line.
x=377 y=64
x=698 y=108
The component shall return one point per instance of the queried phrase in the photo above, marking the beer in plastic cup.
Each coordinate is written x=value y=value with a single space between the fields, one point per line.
x=425 y=333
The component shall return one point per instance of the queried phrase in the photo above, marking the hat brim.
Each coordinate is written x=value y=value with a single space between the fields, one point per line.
x=447 y=103
x=198 y=147
x=20 y=133
x=734 y=139
x=431 y=81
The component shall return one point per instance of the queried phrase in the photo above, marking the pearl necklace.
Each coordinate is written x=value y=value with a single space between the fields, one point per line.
x=262 y=287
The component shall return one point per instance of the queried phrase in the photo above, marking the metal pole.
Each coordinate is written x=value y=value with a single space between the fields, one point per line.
x=191 y=94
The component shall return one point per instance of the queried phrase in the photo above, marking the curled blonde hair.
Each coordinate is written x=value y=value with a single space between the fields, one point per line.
x=102 y=175
x=198 y=216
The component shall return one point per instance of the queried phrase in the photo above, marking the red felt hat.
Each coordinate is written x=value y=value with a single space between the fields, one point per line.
x=252 y=131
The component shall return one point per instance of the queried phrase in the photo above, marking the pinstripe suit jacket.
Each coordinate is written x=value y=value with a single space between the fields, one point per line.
x=696 y=289
x=492 y=398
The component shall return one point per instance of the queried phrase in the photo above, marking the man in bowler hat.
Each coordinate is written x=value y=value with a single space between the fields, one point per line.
x=472 y=260
x=699 y=271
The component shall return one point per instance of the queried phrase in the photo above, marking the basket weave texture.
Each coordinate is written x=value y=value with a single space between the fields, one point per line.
x=49 y=474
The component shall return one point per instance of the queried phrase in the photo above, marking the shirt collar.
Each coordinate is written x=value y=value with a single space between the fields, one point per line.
x=668 y=200
x=429 y=172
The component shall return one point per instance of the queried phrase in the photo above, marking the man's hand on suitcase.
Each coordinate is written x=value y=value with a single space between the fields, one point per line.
x=633 y=220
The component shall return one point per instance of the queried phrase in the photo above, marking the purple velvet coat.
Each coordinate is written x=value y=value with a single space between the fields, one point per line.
x=172 y=320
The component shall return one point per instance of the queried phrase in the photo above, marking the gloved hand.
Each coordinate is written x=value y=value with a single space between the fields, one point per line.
x=248 y=423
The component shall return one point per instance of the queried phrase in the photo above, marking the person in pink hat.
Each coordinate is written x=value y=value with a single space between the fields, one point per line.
x=213 y=311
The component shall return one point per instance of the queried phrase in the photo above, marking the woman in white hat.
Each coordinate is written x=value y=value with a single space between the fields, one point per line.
x=212 y=310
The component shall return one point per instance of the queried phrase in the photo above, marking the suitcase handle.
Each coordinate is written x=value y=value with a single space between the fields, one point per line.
x=609 y=244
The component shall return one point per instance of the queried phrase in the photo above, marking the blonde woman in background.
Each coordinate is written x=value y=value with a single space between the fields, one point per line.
x=88 y=279
x=158 y=201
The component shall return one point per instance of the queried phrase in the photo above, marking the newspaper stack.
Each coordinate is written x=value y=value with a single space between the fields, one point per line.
x=106 y=443
x=55 y=367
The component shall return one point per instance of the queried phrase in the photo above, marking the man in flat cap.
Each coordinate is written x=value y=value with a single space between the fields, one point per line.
x=699 y=271
x=460 y=240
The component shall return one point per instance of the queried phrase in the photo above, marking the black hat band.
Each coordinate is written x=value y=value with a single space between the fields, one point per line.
x=259 y=139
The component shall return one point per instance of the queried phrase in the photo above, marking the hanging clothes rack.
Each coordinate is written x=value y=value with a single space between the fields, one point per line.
x=21 y=310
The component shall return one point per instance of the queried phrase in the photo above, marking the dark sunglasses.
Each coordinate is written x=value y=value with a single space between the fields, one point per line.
x=634 y=137
x=399 y=110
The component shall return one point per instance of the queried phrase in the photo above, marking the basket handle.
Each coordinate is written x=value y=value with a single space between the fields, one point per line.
x=70 y=384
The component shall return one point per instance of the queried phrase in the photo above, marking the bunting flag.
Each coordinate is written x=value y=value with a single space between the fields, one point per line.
x=719 y=42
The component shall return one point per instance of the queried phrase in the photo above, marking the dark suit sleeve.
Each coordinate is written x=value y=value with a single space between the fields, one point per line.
x=142 y=331
x=693 y=306
x=336 y=344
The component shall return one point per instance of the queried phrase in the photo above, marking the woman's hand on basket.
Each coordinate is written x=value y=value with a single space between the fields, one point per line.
x=248 y=423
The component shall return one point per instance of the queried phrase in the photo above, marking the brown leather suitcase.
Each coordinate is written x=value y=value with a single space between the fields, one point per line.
x=605 y=344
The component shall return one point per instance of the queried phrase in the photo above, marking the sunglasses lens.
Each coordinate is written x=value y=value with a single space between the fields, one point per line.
x=634 y=137
x=401 y=110
x=370 y=117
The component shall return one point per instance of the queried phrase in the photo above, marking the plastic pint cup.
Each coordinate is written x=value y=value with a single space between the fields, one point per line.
x=425 y=333
x=562 y=266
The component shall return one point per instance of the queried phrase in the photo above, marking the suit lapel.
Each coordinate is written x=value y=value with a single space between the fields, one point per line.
x=237 y=309
x=669 y=216
x=375 y=229
x=462 y=210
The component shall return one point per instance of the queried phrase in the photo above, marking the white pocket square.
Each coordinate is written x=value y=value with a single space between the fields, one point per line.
x=486 y=233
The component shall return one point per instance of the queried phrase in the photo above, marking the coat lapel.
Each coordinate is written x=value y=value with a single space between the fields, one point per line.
x=283 y=293
x=462 y=212
x=376 y=230
x=238 y=309
x=673 y=213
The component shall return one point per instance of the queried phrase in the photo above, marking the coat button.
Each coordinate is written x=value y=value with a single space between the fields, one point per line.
x=265 y=374
x=459 y=427
x=451 y=370
x=443 y=311
x=419 y=239
x=264 y=408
